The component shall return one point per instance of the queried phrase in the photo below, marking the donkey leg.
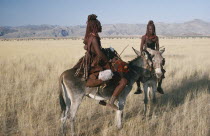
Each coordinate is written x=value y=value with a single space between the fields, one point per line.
x=63 y=120
x=138 y=89
x=149 y=95
x=145 y=98
x=119 y=116
x=119 y=113
x=65 y=103
x=154 y=89
x=73 y=110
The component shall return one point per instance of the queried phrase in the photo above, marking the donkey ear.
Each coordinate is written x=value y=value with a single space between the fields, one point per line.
x=162 y=51
x=138 y=53
x=145 y=54
x=151 y=52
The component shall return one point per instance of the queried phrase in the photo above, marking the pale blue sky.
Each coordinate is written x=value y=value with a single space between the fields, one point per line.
x=75 y=12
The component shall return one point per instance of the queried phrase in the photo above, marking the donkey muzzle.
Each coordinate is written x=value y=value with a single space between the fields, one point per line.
x=158 y=72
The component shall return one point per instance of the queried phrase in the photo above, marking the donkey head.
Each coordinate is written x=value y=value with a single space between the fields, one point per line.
x=157 y=60
x=145 y=63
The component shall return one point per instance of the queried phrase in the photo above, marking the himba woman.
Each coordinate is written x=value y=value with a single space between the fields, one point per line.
x=150 y=40
x=95 y=60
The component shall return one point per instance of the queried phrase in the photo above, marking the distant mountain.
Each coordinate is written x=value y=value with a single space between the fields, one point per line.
x=191 y=28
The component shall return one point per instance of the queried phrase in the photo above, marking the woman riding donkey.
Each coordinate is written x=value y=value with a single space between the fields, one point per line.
x=150 y=40
x=95 y=60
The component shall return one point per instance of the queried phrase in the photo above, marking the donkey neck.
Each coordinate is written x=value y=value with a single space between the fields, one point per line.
x=135 y=70
x=138 y=62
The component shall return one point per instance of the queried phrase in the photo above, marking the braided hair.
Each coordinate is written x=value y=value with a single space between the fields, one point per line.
x=151 y=23
x=93 y=26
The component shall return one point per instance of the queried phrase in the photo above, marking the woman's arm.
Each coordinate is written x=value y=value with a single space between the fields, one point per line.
x=142 y=43
x=157 y=44
x=98 y=51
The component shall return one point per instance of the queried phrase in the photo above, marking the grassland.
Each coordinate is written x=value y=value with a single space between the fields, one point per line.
x=29 y=105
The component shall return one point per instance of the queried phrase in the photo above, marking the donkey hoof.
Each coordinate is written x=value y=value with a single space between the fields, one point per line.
x=103 y=103
x=139 y=91
x=119 y=127
x=160 y=90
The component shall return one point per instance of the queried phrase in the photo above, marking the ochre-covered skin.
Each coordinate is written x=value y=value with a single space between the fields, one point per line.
x=95 y=51
x=151 y=42
x=96 y=59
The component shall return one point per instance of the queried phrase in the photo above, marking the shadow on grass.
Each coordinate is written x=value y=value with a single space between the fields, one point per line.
x=178 y=95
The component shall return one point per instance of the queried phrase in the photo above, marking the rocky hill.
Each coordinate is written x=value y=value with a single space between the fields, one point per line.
x=191 y=28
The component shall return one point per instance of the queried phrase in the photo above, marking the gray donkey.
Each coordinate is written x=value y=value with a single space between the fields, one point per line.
x=73 y=89
x=150 y=83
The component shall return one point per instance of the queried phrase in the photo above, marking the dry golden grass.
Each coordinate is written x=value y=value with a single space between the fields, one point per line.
x=29 y=72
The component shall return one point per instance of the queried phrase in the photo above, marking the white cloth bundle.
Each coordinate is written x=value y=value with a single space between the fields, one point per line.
x=105 y=75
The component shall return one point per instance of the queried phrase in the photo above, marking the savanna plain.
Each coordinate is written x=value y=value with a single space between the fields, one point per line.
x=29 y=104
